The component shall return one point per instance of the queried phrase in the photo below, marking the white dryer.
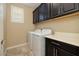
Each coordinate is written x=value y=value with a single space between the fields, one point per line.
x=29 y=40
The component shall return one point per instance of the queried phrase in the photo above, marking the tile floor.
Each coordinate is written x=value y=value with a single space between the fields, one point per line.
x=20 y=51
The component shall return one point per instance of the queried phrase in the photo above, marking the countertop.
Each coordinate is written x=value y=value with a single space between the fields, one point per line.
x=71 y=38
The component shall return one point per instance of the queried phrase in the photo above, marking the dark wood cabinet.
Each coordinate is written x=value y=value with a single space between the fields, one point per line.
x=50 y=50
x=55 y=9
x=44 y=10
x=62 y=52
x=69 y=7
x=57 y=48
x=41 y=13
x=35 y=16
x=48 y=11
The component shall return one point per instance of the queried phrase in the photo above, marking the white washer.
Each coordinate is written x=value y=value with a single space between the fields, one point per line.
x=37 y=42
x=38 y=45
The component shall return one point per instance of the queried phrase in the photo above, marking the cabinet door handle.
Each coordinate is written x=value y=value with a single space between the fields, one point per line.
x=55 y=43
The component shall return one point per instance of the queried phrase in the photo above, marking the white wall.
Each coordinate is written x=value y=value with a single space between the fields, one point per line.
x=67 y=23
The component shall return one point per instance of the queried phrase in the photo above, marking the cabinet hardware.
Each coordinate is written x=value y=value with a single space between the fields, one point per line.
x=55 y=43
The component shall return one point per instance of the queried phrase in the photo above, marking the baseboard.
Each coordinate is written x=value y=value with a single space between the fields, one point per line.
x=16 y=46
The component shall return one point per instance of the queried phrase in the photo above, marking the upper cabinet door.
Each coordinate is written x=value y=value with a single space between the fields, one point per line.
x=35 y=16
x=43 y=12
x=69 y=7
x=55 y=9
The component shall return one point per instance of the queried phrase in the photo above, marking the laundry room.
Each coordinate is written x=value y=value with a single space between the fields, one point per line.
x=39 y=29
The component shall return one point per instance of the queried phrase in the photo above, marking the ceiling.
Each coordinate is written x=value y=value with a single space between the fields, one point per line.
x=32 y=5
